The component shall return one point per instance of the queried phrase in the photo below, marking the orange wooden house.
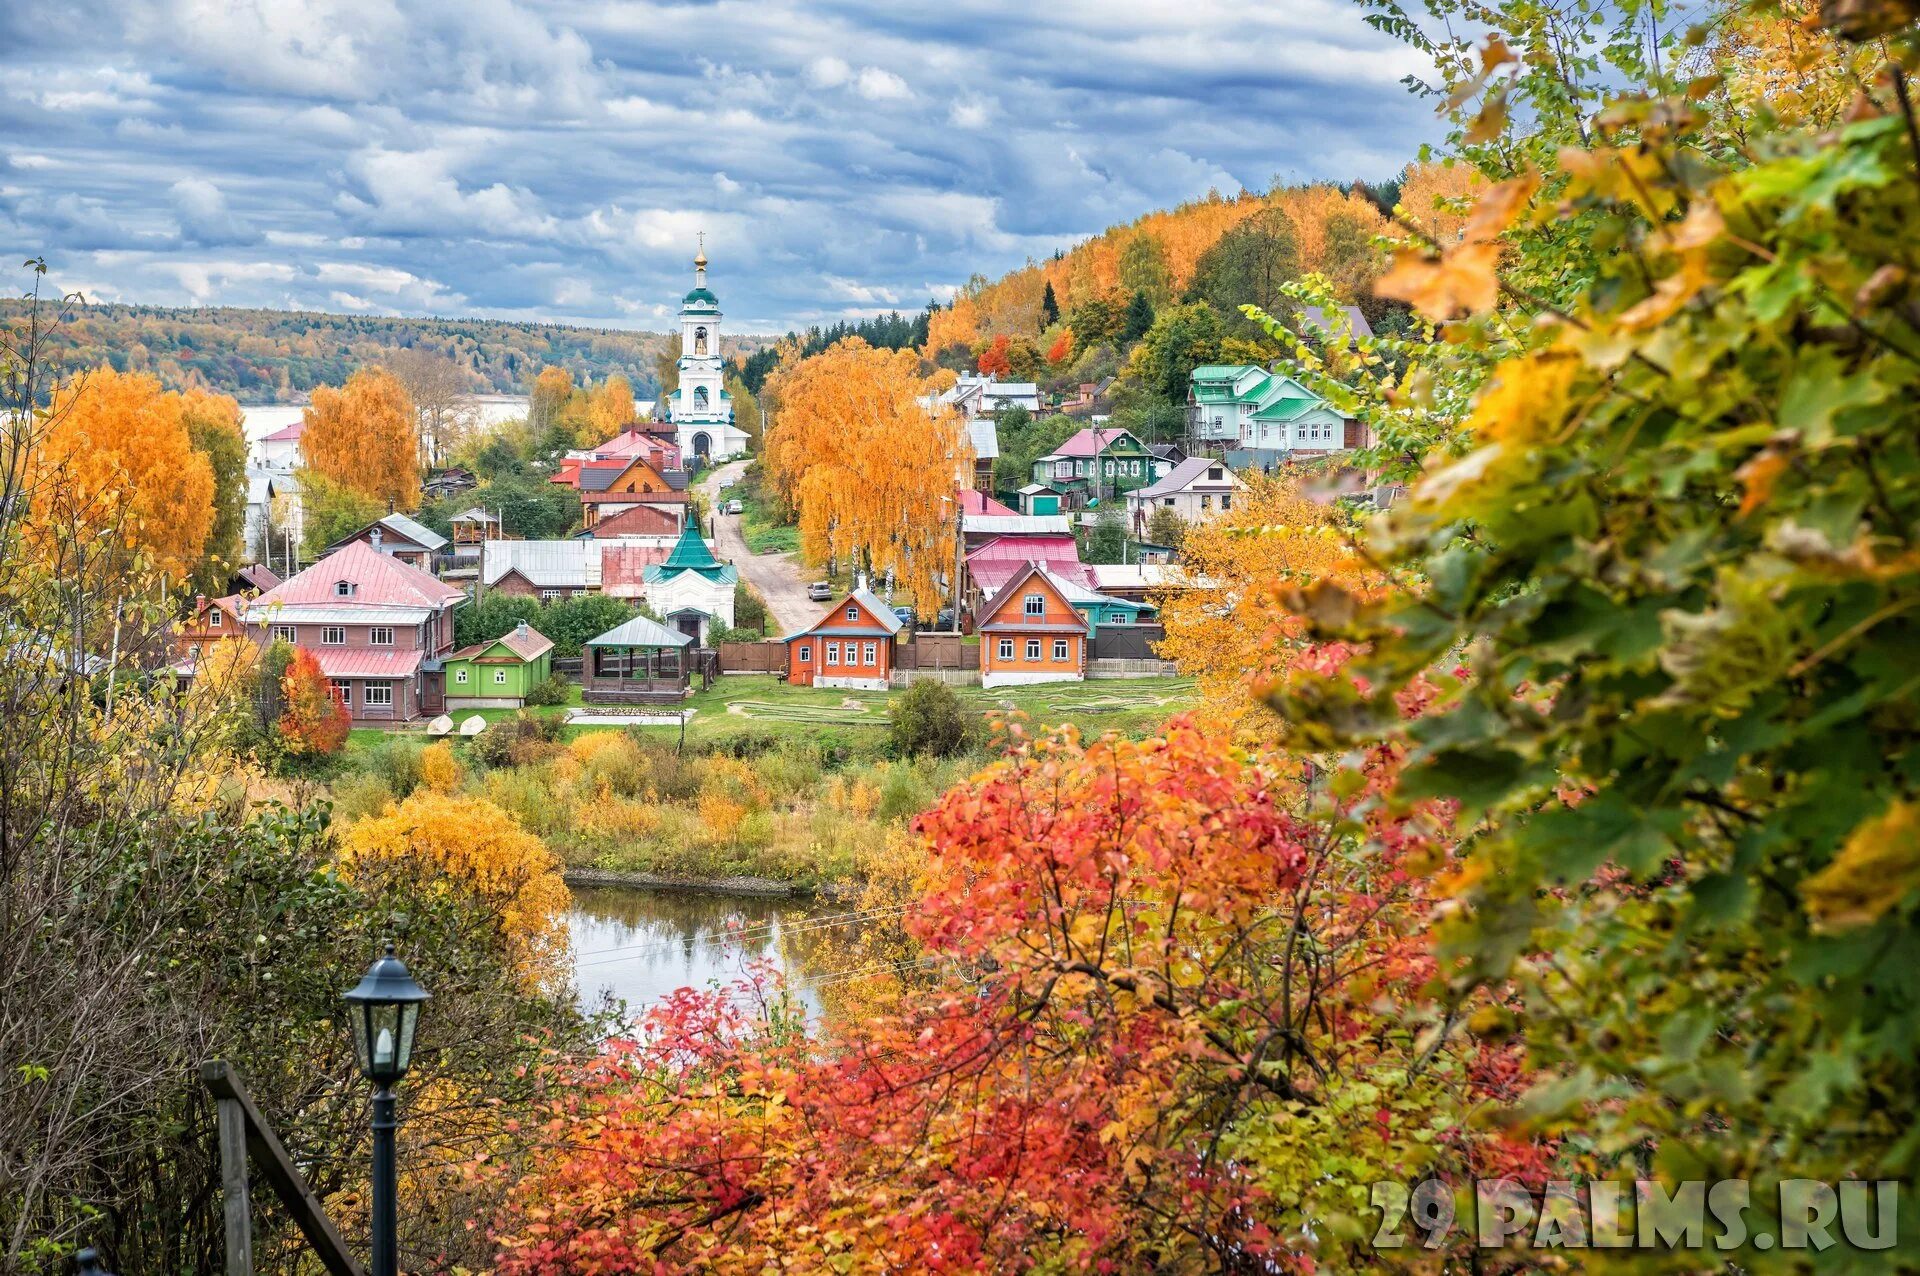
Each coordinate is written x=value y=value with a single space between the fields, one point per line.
x=851 y=646
x=1031 y=632
x=605 y=492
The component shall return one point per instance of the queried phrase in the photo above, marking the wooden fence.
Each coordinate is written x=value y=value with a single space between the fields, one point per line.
x=1127 y=642
x=937 y=651
x=753 y=657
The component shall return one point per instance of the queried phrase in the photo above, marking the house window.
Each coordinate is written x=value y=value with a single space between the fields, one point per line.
x=833 y=653
x=1034 y=605
x=1226 y=500
x=575 y=593
x=1119 y=618
x=1033 y=649
x=380 y=636
x=1206 y=502
x=548 y=595
x=379 y=694
x=346 y=692
x=1167 y=501
x=286 y=633
x=1006 y=649
x=343 y=589
x=868 y=655
x=1059 y=648
x=213 y=619
x=499 y=677
x=853 y=613
x=333 y=635
x=460 y=676
x=1214 y=474
x=193 y=651
x=805 y=655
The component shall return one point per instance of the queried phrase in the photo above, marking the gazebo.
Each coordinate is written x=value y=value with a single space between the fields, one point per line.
x=641 y=661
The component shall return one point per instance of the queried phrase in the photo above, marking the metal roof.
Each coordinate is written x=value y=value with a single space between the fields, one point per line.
x=641 y=632
x=1185 y=475
x=379 y=580
x=367 y=662
x=1017 y=525
x=568 y=564
x=985 y=436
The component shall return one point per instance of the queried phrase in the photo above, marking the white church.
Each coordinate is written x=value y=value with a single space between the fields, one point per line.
x=700 y=408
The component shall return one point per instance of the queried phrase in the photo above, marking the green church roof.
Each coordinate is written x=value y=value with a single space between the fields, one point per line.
x=690 y=554
x=701 y=297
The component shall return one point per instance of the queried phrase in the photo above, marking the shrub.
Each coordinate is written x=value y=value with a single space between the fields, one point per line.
x=904 y=791
x=523 y=739
x=439 y=769
x=930 y=719
x=553 y=689
x=360 y=796
x=397 y=762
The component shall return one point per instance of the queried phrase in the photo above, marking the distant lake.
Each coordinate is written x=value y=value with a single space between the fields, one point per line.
x=262 y=419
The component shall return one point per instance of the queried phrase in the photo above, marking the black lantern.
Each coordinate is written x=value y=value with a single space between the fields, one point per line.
x=385 y=1009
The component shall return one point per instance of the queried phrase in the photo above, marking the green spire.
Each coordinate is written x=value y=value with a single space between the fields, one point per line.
x=690 y=554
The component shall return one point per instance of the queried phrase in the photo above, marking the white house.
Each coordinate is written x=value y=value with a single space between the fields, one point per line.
x=1247 y=408
x=700 y=408
x=1196 y=489
x=978 y=396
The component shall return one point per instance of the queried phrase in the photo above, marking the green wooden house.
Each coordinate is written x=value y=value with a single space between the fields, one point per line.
x=1104 y=609
x=500 y=673
x=1096 y=465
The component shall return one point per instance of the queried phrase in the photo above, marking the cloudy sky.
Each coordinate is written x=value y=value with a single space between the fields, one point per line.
x=553 y=159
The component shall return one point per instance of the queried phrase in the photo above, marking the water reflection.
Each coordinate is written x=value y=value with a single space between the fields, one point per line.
x=637 y=946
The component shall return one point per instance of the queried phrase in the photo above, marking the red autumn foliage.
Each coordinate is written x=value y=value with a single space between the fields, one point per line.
x=315 y=719
x=1062 y=348
x=994 y=359
x=1165 y=976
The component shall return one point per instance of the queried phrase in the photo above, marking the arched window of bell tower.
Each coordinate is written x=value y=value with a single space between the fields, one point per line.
x=700 y=398
x=699 y=340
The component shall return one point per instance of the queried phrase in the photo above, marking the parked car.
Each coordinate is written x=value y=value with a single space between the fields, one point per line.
x=733 y=507
x=943 y=623
x=906 y=617
x=725 y=484
x=820 y=591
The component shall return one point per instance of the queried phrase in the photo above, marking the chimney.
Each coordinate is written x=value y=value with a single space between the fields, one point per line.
x=374 y=540
x=520 y=631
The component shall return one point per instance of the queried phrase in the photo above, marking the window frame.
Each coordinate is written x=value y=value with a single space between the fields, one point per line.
x=345 y=688
x=1060 y=652
x=374 y=632
x=1027 y=607
x=803 y=654
x=833 y=653
x=372 y=693
x=1033 y=649
x=499 y=677
x=869 y=653
x=214 y=618
x=460 y=676
x=333 y=635
x=1006 y=649
x=286 y=633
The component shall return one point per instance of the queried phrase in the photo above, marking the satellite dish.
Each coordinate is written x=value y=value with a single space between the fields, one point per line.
x=473 y=726
x=440 y=725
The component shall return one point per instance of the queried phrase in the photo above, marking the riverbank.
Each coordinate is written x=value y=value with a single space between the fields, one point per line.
x=741 y=887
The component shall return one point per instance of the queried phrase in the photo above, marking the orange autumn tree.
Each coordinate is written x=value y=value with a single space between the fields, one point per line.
x=1157 y=981
x=118 y=460
x=609 y=409
x=1226 y=625
x=548 y=396
x=1062 y=348
x=315 y=719
x=477 y=846
x=364 y=436
x=869 y=469
x=993 y=360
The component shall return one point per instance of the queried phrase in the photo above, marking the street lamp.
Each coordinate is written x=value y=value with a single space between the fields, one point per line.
x=385 y=1009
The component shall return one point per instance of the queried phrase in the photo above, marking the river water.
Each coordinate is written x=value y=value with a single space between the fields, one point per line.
x=637 y=946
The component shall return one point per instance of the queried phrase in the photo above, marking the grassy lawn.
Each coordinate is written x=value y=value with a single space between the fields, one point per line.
x=756 y=704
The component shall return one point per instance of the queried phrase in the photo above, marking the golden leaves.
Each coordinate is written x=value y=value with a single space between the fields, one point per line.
x=1462 y=278
x=364 y=437
x=1877 y=868
x=1859 y=20
x=1757 y=478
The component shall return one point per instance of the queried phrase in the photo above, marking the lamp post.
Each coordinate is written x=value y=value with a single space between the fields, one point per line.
x=385 y=1009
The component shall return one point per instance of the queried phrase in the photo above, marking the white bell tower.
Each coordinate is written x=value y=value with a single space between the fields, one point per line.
x=700 y=407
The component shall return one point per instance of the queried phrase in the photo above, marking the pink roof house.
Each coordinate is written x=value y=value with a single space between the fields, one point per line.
x=378 y=627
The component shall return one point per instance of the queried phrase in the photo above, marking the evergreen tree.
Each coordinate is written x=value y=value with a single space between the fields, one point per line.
x=1139 y=318
x=1049 y=307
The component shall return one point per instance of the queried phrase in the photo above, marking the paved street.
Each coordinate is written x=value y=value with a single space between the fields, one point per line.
x=779 y=578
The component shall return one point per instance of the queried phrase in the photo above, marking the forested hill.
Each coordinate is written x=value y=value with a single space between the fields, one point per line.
x=280 y=355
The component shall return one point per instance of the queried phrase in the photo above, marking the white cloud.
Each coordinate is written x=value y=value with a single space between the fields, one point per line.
x=877 y=85
x=417 y=192
x=828 y=72
x=969 y=113
x=725 y=185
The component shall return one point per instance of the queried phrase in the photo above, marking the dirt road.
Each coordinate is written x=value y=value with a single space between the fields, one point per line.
x=778 y=578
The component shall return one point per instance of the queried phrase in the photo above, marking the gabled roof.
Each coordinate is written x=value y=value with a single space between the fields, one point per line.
x=399 y=525
x=1350 y=317
x=624 y=564
x=1184 y=475
x=287 y=433
x=1034 y=489
x=885 y=623
x=474 y=514
x=633 y=498
x=261 y=578
x=528 y=646
x=1072 y=621
x=379 y=580
x=690 y=554
x=641 y=520
x=641 y=632
x=1093 y=440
